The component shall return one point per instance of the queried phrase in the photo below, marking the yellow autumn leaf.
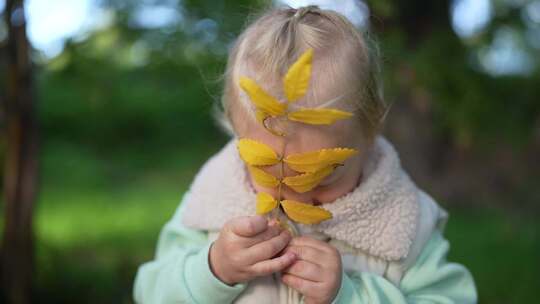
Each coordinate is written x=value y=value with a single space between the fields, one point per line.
x=317 y=160
x=318 y=116
x=296 y=81
x=262 y=100
x=256 y=153
x=262 y=178
x=265 y=203
x=305 y=213
x=307 y=181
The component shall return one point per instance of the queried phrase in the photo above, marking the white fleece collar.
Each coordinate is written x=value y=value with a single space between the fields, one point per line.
x=379 y=216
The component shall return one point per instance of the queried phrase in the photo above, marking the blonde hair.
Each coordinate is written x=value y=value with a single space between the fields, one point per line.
x=343 y=59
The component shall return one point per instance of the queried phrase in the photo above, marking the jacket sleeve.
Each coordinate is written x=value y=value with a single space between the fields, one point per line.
x=432 y=279
x=180 y=272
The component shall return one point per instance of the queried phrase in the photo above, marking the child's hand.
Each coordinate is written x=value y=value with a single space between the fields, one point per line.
x=246 y=247
x=316 y=273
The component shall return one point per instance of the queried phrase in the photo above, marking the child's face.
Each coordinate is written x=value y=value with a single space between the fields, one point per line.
x=303 y=138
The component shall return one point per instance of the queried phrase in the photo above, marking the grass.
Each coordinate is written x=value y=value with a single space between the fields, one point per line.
x=99 y=215
x=501 y=249
x=89 y=244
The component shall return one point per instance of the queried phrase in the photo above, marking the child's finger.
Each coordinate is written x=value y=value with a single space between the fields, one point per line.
x=248 y=226
x=268 y=267
x=305 y=270
x=306 y=253
x=311 y=242
x=268 y=249
x=270 y=232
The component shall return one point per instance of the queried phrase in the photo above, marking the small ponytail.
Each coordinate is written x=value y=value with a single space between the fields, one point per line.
x=302 y=11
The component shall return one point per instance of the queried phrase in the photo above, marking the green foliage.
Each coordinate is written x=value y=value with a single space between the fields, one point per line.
x=422 y=53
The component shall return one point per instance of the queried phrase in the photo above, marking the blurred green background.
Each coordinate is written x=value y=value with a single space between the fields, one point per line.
x=124 y=109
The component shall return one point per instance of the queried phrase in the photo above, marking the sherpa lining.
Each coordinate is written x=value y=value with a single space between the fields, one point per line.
x=379 y=216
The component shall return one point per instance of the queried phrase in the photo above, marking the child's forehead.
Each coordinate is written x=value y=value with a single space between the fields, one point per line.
x=330 y=83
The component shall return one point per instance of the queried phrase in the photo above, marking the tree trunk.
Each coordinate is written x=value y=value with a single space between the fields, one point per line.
x=21 y=164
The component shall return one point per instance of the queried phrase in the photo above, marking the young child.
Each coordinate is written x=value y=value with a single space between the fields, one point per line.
x=341 y=221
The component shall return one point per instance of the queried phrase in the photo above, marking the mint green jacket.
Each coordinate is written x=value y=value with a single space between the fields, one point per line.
x=180 y=273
